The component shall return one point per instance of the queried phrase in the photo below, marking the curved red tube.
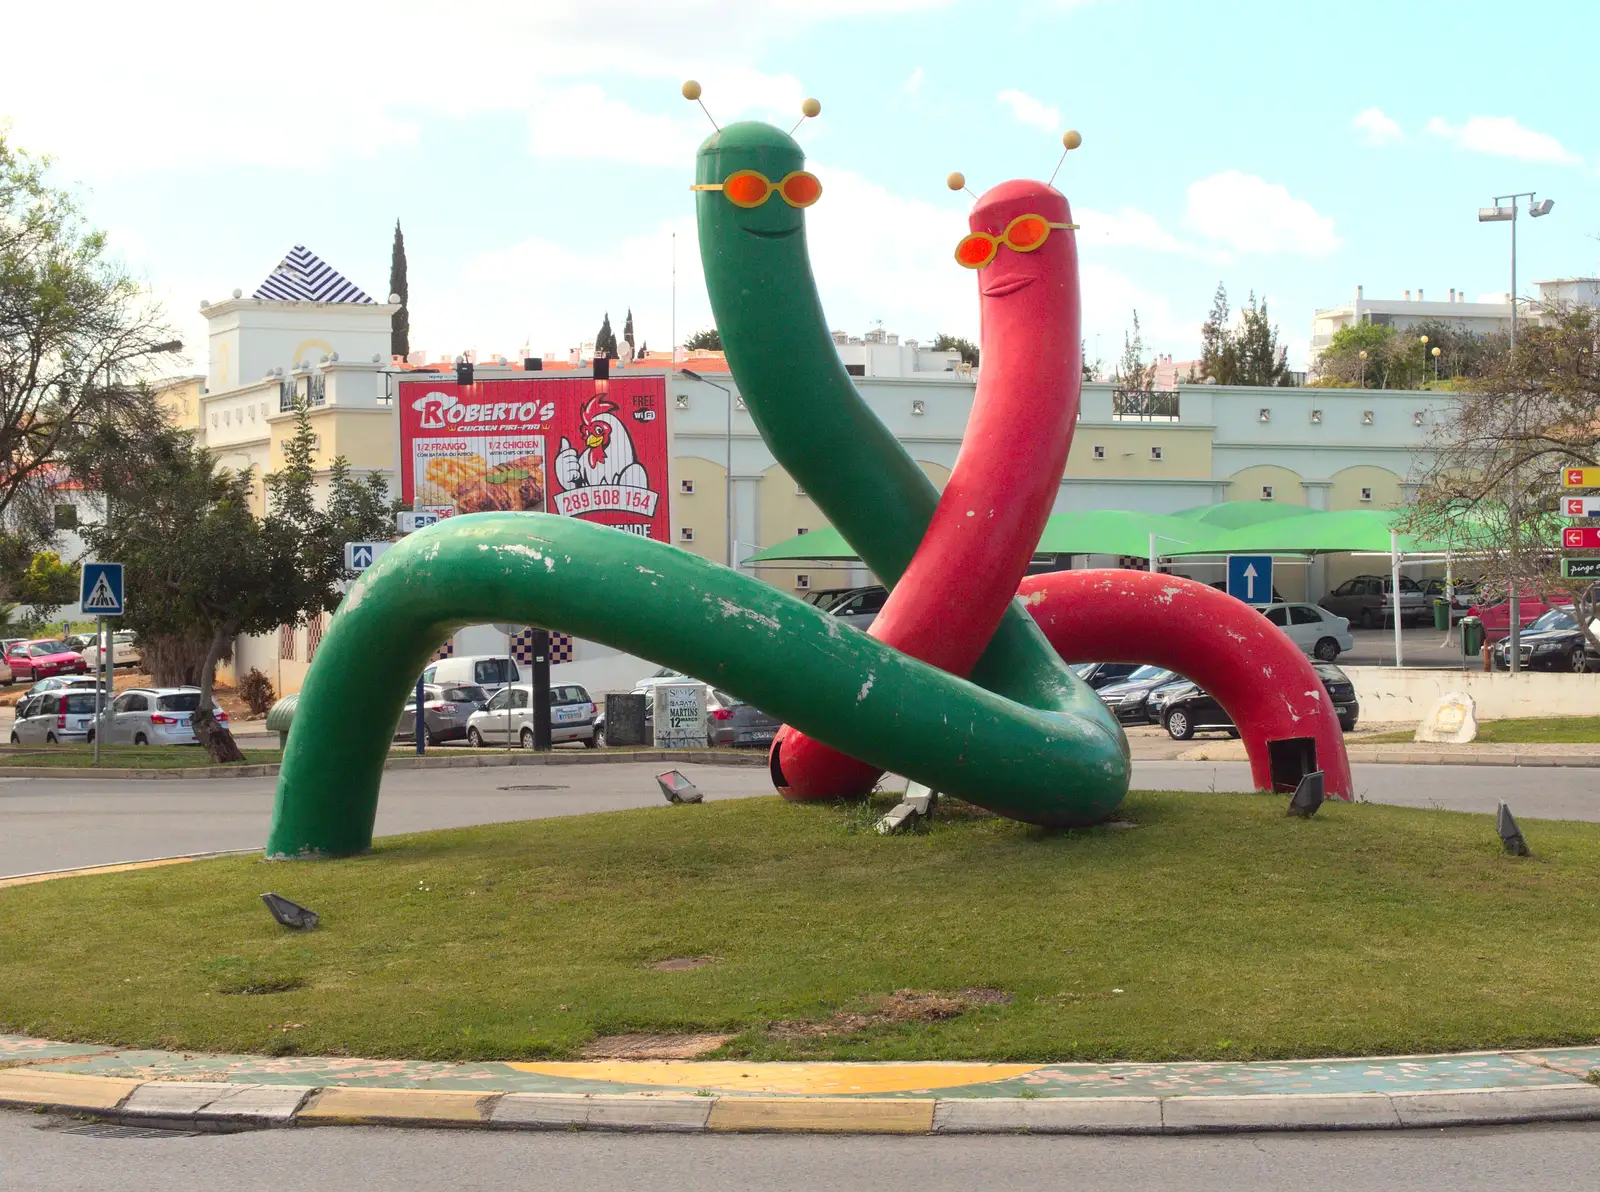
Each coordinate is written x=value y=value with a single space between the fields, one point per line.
x=945 y=607
x=1254 y=671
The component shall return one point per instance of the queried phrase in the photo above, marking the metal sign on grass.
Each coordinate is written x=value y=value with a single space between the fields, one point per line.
x=100 y=590
x=1580 y=477
x=1581 y=538
x=1250 y=578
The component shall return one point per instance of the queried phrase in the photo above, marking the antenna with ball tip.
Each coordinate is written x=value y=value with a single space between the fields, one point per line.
x=691 y=92
x=958 y=181
x=1070 y=140
x=808 y=108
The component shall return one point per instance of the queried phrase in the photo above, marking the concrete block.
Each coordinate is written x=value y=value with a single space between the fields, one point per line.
x=1056 y=1115
x=1355 y=1111
x=1574 y=1102
x=560 y=1110
x=258 y=1104
x=26 y=1086
x=822 y=1115
x=365 y=1106
x=172 y=1098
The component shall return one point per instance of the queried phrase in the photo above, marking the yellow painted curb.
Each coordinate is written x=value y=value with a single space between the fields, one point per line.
x=30 y=878
x=28 y=1087
x=837 y=1115
x=359 y=1106
x=809 y=1078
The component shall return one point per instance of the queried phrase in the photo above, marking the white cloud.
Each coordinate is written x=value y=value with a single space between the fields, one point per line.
x=1031 y=111
x=1502 y=136
x=1129 y=227
x=913 y=84
x=1251 y=215
x=1376 y=128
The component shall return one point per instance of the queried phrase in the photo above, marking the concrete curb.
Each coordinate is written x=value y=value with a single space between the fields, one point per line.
x=698 y=757
x=224 y=1106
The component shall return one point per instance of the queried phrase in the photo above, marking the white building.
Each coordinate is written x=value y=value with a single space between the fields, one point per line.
x=1479 y=318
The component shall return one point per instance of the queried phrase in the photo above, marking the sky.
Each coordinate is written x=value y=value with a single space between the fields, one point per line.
x=538 y=154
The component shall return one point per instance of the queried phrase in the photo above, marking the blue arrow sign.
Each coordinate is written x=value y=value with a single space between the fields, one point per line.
x=1250 y=578
x=358 y=556
x=100 y=590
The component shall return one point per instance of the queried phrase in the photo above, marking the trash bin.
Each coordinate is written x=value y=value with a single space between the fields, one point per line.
x=1471 y=636
x=625 y=719
x=1441 y=614
x=281 y=717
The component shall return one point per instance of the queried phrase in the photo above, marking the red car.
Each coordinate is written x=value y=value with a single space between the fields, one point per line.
x=1496 y=617
x=35 y=660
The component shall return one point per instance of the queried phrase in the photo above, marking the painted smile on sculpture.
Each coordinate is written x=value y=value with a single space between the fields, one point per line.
x=780 y=234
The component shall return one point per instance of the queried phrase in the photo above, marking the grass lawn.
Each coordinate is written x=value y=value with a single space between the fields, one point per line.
x=126 y=757
x=1561 y=730
x=1217 y=928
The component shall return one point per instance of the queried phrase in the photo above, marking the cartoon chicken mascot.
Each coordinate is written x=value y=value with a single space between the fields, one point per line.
x=607 y=452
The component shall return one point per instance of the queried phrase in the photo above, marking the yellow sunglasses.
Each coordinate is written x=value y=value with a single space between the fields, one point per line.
x=1023 y=234
x=751 y=188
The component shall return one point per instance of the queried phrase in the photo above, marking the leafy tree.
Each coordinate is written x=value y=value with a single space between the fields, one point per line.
x=627 y=329
x=1219 y=358
x=1091 y=368
x=48 y=581
x=1341 y=362
x=74 y=328
x=1132 y=372
x=945 y=342
x=1255 y=348
x=605 y=342
x=201 y=567
x=1462 y=353
x=709 y=340
x=1491 y=487
x=400 y=325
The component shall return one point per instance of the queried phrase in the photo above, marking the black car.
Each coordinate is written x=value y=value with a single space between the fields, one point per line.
x=1129 y=698
x=1190 y=710
x=1103 y=674
x=1553 y=642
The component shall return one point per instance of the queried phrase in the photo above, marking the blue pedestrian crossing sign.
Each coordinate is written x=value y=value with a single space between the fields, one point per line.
x=100 y=590
x=1250 y=578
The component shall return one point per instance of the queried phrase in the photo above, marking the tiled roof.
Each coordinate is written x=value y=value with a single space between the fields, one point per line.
x=302 y=276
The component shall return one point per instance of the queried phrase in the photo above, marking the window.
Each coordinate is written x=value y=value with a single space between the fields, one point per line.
x=856 y=370
x=871 y=602
x=184 y=701
x=41 y=649
x=1278 y=616
x=427 y=675
x=138 y=703
x=1304 y=614
x=1099 y=451
x=798 y=491
x=802 y=530
x=80 y=704
x=686 y=487
x=1366 y=494
x=1375 y=587
x=1366 y=417
x=519 y=698
x=802 y=581
x=570 y=693
x=1265 y=415
x=49 y=705
x=494 y=670
x=464 y=695
x=1266 y=492
x=1155 y=453
x=682 y=401
x=917 y=408
x=1316 y=417
x=685 y=533
x=498 y=703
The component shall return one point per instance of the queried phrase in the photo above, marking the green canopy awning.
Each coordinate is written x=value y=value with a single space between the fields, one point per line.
x=1119 y=532
x=1235 y=515
x=1366 y=530
x=824 y=544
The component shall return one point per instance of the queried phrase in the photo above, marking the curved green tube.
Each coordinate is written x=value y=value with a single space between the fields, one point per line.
x=758 y=274
x=662 y=603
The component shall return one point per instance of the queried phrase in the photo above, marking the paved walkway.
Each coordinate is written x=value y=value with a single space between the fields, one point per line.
x=240 y=1090
x=1409 y=753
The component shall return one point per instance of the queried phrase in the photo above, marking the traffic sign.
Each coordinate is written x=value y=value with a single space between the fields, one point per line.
x=1580 y=568
x=358 y=556
x=408 y=522
x=1580 y=477
x=100 y=590
x=1250 y=578
x=1581 y=537
x=1580 y=506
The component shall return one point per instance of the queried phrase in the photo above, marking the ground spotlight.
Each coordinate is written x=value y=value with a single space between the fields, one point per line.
x=291 y=914
x=677 y=788
x=1308 y=796
x=918 y=803
x=1510 y=835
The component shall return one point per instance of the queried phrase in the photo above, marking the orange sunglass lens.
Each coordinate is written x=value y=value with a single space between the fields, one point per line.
x=746 y=189
x=974 y=250
x=1028 y=232
x=802 y=189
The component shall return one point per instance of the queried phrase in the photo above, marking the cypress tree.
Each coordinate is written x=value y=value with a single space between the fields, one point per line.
x=400 y=327
x=605 y=343
x=627 y=328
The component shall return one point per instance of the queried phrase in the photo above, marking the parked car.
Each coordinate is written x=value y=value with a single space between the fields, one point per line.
x=1494 y=609
x=1553 y=642
x=124 y=650
x=1190 y=709
x=1366 y=601
x=1129 y=698
x=1318 y=633
x=156 y=716
x=54 y=718
x=445 y=712
x=731 y=721
x=32 y=660
x=861 y=607
x=1464 y=594
x=489 y=671
x=66 y=683
x=1103 y=674
x=508 y=718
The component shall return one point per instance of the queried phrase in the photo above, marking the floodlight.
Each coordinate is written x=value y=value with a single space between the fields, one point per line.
x=1496 y=214
x=1510 y=835
x=291 y=914
x=1540 y=208
x=1308 y=796
x=677 y=788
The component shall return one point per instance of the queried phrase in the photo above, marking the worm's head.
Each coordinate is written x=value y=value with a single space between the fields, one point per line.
x=753 y=184
x=1032 y=222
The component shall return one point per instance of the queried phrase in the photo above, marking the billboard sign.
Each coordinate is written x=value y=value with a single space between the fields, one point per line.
x=570 y=445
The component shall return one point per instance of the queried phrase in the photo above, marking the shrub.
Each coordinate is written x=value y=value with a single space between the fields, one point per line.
x=256 y=690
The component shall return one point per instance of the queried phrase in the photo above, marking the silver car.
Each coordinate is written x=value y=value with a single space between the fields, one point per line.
x=509 y=717
x=54 y=718
x=155 y=716
x=445 y=712
x=1318 y=632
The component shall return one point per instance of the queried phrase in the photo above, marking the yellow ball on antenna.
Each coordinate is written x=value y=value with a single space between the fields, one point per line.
x=956 y=181
x=810 y=107
x=691 y=90
x=1072 y=140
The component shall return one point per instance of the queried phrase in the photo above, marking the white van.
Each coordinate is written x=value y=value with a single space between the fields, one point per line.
x=489 y=671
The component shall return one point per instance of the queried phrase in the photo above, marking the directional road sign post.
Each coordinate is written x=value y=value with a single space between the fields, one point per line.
x=1580 y=506
x=1580 y=568
x=358 y=556
x=1581 y=538
x=408 y=522
x=1580 y=477
x=1250 y=578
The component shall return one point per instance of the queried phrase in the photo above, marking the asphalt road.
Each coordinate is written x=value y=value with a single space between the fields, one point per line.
x=63 y=823
x=36 y=1154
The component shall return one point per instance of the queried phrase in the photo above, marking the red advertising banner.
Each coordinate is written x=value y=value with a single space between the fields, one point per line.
x=569 y=445
x=1584 y=537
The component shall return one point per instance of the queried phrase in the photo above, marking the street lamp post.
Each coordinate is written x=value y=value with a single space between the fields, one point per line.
x=1363 y=368
x=1501 y=212
x=1424 y=376
x=727 y=445
x=1436 y=366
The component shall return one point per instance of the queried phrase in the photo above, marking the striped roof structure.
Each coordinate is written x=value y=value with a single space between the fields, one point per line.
x=302 y=276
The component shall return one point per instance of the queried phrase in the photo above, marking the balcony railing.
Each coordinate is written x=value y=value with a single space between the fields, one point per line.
x=316 y=393
x=1144 y=405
